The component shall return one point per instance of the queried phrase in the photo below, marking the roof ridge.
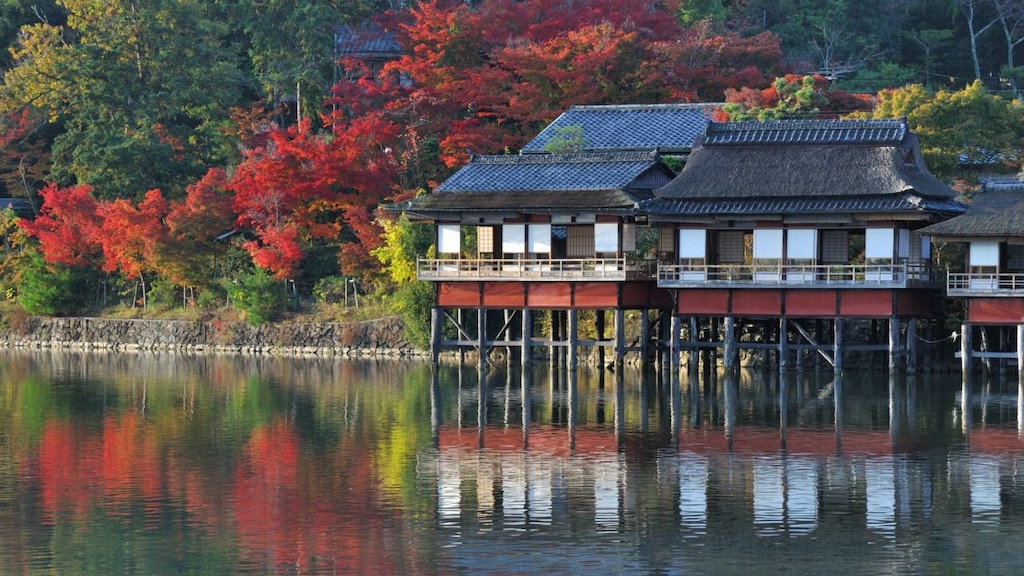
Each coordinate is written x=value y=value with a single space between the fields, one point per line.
x=568 y=158
x=662 y=106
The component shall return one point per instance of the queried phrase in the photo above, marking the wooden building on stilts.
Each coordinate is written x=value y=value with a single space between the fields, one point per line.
x=771 y=236
x=990 y=286
x=787 y=229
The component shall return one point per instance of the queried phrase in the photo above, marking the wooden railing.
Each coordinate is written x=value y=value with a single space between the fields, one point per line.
x=610 y=269
x=677 y=276
x=795 y=276
x=984 y=284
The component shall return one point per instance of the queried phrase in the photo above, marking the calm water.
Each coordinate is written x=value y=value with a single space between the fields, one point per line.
x=120 y=464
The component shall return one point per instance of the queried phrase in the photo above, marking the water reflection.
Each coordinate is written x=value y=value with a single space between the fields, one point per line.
x=163 y=465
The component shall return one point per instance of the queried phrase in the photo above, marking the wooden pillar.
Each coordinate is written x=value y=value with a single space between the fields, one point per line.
x=894 y=342
x=481 y=334
x=620 y=337
x=965 y=349
x=527 y=348
x=693 y=356
x=912 y=358
x=677 y=326
x=730 y=358
x=1020 y=353
x=555 y=335
x=783 y=344
x=599 y=328
x=573 y=336
x=436 y=323
x=645 y=336
x=837 y=346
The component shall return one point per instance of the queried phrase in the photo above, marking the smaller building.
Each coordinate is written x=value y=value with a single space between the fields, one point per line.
x=539 y=217
x=368 y=44
x=991 y=282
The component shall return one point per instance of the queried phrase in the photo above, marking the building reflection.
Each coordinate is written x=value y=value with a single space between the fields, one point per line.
x=769 y=457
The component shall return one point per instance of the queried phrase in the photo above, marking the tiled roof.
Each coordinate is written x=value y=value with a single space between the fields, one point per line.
x=670 y=128
x=366 y=40
x=611 y=182
x=996 y=212
x=785 y=206
x=806 y=132
x=551 y=172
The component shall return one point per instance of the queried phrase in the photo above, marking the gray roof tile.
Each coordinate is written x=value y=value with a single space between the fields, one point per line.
x=670 y=128
x=783 y=206
x=552 y=172
x=806 y=132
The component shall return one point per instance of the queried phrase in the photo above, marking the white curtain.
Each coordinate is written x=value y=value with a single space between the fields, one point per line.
x=802 y=244
x=513 y=238
x=693 y=243
x=879 y=242
x=448 y=241
x=606 y=237
x=984 y=253
x=767 y=243
x=540 y=238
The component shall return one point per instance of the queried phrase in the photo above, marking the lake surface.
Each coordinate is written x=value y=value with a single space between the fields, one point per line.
x=153 y=464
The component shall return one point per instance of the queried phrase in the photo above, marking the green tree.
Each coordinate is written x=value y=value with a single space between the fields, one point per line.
x=48 y=289
x=257 y=295
x=142 y=92
x=963 y=128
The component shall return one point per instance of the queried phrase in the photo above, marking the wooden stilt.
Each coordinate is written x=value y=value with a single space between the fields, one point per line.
x=620 y=337
x=599 y=329
x=783 y=344
x=573 y=337
x=677 y=326
x=894 y=342
x=645 y=336
x=1020 y=352
x=837 y=346
x=436 y=322
x=730 y=358
x=527 y=349
x=912 y=352
x=481 y=332
x=965 y=349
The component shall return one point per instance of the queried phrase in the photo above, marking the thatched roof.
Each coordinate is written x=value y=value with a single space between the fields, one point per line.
x=544 y=182
x=996 y=213
x=668 y=128
x=805 y=159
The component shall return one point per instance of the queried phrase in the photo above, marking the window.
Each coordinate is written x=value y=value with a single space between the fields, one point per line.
x=835 y=247
x=730 y=247
x=580 y=241
x=485 y=240
x=448 y=239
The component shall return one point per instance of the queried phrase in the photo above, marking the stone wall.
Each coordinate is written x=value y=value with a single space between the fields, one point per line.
x=370 y=339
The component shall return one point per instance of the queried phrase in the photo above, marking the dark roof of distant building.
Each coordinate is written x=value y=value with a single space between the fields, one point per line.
x=367 y=40
x=668 y=128
x=21 y=206
x=592 y=182
x=996 y=212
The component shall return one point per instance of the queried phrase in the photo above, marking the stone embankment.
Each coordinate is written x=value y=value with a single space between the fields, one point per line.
x=371 y=339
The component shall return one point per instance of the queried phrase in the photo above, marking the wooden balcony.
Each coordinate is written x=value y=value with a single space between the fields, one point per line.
x=985 y=284
x=796 y=276
x=551 y=270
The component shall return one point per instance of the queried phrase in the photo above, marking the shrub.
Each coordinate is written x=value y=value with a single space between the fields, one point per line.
x=48 y=290
x=258 y=296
